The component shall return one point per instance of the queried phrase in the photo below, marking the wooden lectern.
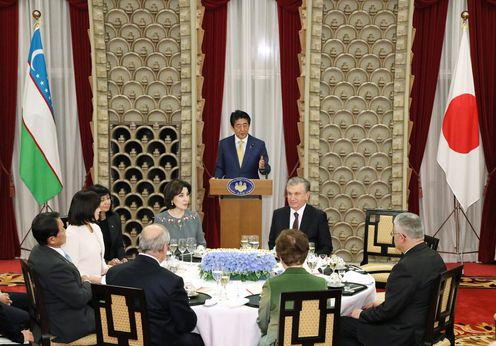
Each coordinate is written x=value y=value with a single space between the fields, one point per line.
x=240 y=214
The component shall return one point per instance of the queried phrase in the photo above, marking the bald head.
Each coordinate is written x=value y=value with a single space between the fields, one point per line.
x=153 y=239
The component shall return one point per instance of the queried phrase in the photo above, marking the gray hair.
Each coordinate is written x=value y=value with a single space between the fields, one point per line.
x=153 y=238
x=299 y=180
x=410 y=225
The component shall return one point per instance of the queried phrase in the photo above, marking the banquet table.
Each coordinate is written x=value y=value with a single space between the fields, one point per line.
x=230 y=322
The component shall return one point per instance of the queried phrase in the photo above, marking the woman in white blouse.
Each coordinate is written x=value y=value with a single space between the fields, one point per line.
x=84 y=239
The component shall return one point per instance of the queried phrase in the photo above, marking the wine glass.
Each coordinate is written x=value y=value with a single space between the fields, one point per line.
x=181 y=245
x=311 y=247
x=245 y=242
x=254 y=243
x=312 y=262
x=173 y=246
x=323 y=262
x=224 y=280
x=217 y=274
x=191 y=246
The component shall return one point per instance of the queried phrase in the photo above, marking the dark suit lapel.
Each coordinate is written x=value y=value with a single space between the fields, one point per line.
x=285 y=222
x=233 y=150
x=307 y=218
x=250 y=145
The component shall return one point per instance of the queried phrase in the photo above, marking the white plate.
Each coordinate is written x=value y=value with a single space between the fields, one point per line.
x=335 y=285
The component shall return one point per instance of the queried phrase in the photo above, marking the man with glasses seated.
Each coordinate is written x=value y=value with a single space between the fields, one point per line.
x=400 y=319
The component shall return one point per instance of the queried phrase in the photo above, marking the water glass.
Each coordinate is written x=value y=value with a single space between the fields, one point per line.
x=217 y=273
x=254 y=243
x=323 y=262
x=245 y=241
x=181 y=245
x=191 y=246
x=312 y=262
x=311 y=247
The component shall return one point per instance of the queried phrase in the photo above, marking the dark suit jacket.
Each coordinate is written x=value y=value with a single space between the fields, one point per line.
x=169 y=312
x=400 y=320
x=66 y=297
x=313 y=224
x=227 y=165
x=117 y=244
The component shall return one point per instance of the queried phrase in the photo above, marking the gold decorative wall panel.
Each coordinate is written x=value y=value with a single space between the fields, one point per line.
x=145 y=94
x=355 y=151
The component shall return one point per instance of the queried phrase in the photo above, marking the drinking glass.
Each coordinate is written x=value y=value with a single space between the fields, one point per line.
x=181 y=245
x=311 y=247
x=312 y=262
x=323 y=262
x=245 y=242
x=173 y=246
x=254 y=243
x=191 y=246
x=217 y=275
x=224 y=280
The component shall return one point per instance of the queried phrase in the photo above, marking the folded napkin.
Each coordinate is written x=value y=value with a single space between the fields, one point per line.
x=364 y=279
x=234 y=302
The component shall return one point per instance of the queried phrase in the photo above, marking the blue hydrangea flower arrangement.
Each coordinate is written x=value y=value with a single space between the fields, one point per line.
x=244 y=265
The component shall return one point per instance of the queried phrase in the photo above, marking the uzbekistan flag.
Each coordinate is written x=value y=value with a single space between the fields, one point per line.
x=460 y=152
x=39 y=158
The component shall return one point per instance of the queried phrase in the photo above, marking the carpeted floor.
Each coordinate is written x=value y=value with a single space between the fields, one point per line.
x=474 y=335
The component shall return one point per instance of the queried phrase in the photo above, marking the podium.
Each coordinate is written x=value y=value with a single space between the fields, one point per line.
x=239 y=214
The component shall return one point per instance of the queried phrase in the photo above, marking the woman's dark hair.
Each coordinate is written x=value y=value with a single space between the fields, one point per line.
x=44 y=226
x=102 y=191
x=292 y=247
x=83 y=206
x=173 y=189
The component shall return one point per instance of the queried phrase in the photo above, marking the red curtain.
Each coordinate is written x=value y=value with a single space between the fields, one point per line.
x=289 y=42
x=9 y=240
x=214 y=48
x=81 y=53
x=429 y=20
x=482 y=29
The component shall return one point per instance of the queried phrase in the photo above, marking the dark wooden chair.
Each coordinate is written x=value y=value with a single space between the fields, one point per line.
x=432 y=242
x=379 y=253
x=307 y=319
x=121 y=316
x=441 y=316
x=38 y=315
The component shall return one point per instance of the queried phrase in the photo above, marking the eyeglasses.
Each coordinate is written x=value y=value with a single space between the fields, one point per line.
x=394 y=233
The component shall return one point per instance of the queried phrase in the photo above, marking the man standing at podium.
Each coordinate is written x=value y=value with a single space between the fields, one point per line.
x=302 y=216
x=241 y=155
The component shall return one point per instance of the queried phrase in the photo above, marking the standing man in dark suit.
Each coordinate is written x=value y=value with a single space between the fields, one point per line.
x=66 y=293
x=241 y=155
x=171 y=318
x=302 y=216
x=400 y=319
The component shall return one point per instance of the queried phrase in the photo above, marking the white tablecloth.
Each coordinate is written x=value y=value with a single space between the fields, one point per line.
x=220 y=325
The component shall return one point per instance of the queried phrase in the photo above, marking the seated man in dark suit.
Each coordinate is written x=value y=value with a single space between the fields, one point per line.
x=302 y=216
x=14 y=317
x=66 y=293
x=241 y=155
x=171 y=318
x=401 y=318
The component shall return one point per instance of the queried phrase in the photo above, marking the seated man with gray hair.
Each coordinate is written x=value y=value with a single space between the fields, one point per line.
x=401 y=318
x=171 y=318
x=302 y=216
